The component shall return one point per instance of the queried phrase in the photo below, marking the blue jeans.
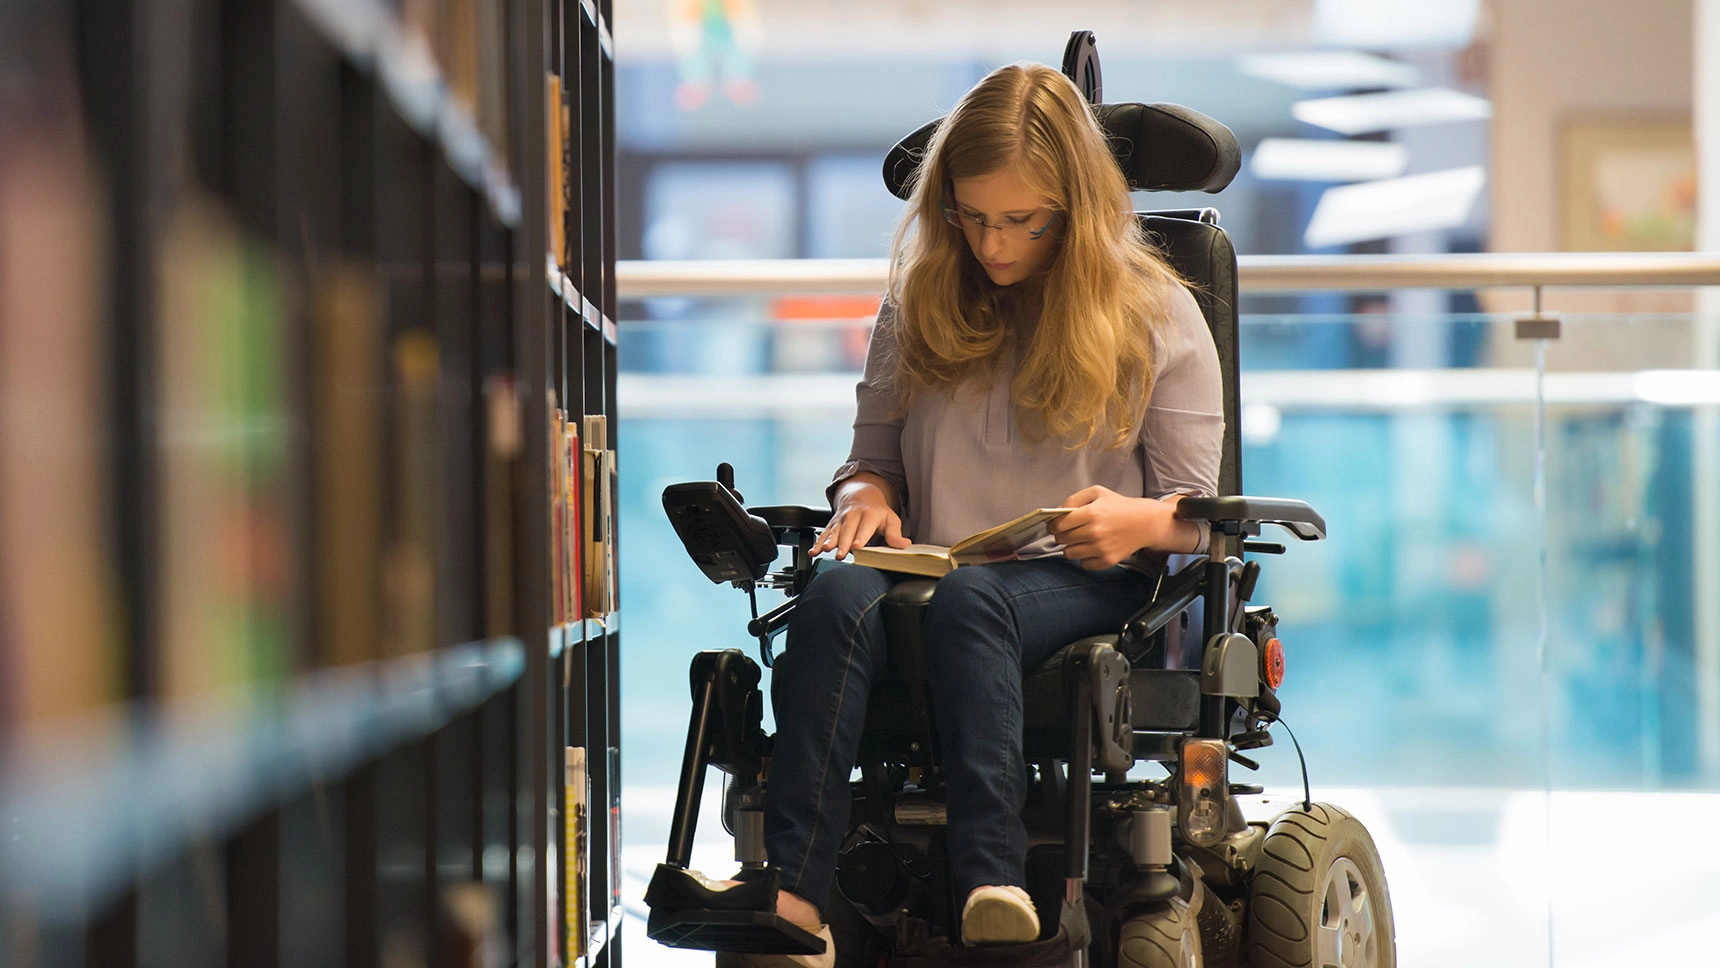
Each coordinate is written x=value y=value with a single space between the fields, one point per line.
x=985 y=628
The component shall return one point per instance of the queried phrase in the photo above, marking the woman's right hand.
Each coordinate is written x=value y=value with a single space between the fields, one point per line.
x=862 y=511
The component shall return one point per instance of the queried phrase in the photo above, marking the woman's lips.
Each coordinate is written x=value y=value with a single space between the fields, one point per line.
x=998 y=266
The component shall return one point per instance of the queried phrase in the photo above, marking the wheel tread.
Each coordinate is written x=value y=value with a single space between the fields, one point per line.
x=1153 y=939
x=1283 y=909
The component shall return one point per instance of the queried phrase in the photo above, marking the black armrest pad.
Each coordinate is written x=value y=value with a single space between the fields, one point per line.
x=1294 y=516
x=792 y=516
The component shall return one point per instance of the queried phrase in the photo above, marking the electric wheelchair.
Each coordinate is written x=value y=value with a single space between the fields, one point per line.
x=1142 y=872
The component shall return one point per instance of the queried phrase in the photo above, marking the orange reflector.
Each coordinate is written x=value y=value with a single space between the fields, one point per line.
x=1274 y=662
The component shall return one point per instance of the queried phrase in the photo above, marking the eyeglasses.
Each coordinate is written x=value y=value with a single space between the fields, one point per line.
x=1014 y=229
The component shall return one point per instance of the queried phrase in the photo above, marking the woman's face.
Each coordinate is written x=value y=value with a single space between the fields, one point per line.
x=1000 y=217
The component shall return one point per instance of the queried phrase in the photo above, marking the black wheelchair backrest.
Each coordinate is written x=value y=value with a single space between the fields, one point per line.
x=1160 y=147
x=1201 y=253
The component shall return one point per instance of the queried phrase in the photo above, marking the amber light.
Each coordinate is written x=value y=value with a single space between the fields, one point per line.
x=1203 y=763
x=1274 y=662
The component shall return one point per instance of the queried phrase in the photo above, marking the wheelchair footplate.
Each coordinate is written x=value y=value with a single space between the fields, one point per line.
x=689 y=910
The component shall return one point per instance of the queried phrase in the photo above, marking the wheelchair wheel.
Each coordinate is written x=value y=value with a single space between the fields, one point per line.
x=1318 y=897
x=1165 y=937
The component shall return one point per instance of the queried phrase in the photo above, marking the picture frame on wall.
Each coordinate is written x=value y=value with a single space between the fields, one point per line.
x=1628 y=184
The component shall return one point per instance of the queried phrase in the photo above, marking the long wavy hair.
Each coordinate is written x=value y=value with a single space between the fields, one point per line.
x=1087 y=368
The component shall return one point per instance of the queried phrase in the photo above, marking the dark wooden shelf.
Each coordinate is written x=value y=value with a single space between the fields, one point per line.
x=585 y=630
x=593 y=318
x=369 y=35
x=87 y=806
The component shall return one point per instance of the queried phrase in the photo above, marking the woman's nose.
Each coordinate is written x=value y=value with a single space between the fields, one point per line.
x=992 y=245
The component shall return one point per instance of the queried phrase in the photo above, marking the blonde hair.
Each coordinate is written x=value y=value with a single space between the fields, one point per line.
x=1087 y=369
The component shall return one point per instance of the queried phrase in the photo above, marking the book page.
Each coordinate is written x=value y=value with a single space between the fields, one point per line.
x=1002 y=542
x=929 y=550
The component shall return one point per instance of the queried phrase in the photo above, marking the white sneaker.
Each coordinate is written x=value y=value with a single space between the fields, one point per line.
x=999 y=915
x=736 y=959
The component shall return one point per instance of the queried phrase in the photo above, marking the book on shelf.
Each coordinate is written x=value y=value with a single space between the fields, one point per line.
x=223 y=429
x=502 y=448
x=597 y=506
x=61 y=630
x=1002 y=543
x=410 y=570
x=576 y=894
x=458 y=50
x=346 y=434
x=472 y=933
x=614 y=853
x=567 y=456
x=566 y=593
x=558 y=512
x=555 y=147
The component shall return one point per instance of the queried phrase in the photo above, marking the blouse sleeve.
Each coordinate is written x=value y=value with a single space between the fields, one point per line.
x=1182 y=436
x=877 y=443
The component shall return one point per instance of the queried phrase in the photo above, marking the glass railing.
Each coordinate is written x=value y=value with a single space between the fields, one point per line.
x=1506 y=657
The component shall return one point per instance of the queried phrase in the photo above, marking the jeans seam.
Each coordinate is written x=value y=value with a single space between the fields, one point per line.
x=830 y=744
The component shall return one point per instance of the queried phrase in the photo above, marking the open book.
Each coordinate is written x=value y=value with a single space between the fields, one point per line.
x=1002 y=543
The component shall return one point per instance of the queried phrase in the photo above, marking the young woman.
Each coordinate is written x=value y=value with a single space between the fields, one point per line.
x=1033 y=351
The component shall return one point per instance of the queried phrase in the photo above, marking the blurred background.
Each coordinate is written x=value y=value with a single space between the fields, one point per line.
x=1507 y=656
x=266 y=589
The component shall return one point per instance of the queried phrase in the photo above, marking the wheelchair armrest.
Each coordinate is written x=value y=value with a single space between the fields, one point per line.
x=792 y=516
x=1294 y=516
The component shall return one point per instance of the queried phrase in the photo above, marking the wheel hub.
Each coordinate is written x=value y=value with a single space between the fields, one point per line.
x=1346 y=929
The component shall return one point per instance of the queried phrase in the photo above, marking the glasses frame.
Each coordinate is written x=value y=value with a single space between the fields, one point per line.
x=962 y=220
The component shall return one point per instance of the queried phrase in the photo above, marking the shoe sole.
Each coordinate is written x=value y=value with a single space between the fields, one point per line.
x=999 y=921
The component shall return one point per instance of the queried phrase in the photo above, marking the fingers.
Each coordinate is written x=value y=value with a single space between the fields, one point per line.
x=893 y=531
x=864 y=525
x=826 y=538
x=1083 y=497
x=838 y=535
x=1091 y=557
x=1068 y=523
x=845 y=536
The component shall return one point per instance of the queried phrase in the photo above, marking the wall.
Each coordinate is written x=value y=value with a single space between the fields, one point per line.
x=1555 y=59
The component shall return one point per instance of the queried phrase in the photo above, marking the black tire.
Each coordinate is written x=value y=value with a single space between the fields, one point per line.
x=1318 y=896
x=1164 y=937
x=1220 y=930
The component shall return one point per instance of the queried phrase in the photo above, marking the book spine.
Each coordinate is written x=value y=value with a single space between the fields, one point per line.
x=60 y=623
x=347 y=424
x=411 y=572
x=575 y=852
x=226 y=535
x=502 y=432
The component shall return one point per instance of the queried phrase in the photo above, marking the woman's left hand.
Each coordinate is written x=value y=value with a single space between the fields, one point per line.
x=1107 y=527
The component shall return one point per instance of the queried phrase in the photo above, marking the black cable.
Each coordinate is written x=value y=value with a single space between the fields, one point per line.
x=1307 y=797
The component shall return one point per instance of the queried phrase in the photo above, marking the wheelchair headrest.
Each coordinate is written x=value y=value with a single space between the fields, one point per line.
x=1160 y=147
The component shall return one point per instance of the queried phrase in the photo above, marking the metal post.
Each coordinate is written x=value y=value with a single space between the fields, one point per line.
x=692 y=786
x=1080 y=797
x=1705 y=421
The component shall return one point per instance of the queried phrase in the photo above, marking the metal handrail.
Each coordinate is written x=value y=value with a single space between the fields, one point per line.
x=1256 y=273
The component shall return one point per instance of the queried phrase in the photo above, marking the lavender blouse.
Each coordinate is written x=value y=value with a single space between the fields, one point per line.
x=959 y=464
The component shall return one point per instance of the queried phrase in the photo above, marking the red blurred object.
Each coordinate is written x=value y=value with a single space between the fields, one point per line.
x=820 y=307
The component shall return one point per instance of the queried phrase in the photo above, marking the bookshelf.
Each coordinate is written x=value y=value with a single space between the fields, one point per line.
x=293 y=646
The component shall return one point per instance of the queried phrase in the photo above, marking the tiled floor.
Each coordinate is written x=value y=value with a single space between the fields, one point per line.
x=1633 y=878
